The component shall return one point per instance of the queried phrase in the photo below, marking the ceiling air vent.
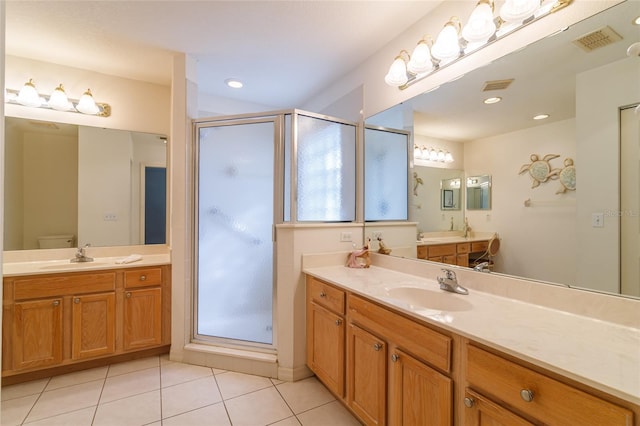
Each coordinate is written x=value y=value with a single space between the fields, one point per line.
x=43 y=124
x=596 y=39
x=496 y=85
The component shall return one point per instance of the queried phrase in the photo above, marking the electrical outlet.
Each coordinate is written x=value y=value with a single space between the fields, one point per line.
x=345 y=237
x=597 y=220
x=110 y=217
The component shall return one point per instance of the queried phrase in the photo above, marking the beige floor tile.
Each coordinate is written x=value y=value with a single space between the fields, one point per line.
x=305 y=394
x=277 y=381
x=291 y=421
x=333 y=414
x=130 y=384
x=82 y=417
x=176 y=372
x=77 y=377
x=218 y=371
x=66 y=400
x=262 y=407
x=234 y=384
x=134 y=365
x=24 y=389
x=189 y=396
x=136 y=410
x=212 y=415
x=164 y=359
x=15 y=410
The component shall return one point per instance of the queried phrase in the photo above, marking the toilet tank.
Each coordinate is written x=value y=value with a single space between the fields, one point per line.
x=55 y=241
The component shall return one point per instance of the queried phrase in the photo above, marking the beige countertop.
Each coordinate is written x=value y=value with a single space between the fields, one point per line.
x=601 y=354
x=36 y=267
x=425 y=241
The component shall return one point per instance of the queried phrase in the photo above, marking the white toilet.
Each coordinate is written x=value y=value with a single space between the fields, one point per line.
x=55 y=241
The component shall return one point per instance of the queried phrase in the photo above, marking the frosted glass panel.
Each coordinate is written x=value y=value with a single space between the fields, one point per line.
x=235 y=221
x=385 y=175
x=326 y=170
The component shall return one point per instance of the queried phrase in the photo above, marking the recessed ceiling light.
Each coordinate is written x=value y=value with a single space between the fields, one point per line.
x=494 y=100
x=636 y=21
x=541 y=116
x=234 y=83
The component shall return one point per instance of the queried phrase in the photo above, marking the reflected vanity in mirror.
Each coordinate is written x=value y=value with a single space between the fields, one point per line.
x=479 y=192
x=69 y=185
x=550 y=239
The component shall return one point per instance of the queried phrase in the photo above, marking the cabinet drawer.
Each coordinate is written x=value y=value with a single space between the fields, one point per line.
x=64 y=285
x=143 y=277
x=549 y=400
x=326 y=295
x=422 y=342
x=422 y=252
x=442 y=250
x=479 y=246
x=462 y=248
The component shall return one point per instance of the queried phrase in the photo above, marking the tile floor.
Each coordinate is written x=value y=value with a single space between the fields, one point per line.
x=157 y=392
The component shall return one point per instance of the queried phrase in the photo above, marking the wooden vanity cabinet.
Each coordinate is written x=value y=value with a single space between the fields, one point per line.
x=451 y=253
x=62 y=320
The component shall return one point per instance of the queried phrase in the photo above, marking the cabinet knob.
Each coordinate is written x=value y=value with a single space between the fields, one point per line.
x=338 y=321
x=377 y=346
x=76 y=300
x=395 y=357
x=468 y=402
x=56 y=303
x=323 y=294
x=128 y=294
x=526 y=395
x=143 y=277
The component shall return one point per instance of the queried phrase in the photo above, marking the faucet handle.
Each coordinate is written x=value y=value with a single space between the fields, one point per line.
x=449 y=274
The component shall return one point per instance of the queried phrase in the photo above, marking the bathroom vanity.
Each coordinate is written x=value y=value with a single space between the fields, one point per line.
x=60 y=317
x=397 y=350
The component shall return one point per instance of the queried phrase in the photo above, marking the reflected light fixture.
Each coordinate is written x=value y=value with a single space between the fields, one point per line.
x=234 y=83
x=480 y=26
x=447 y=45
x=420 y=61
x=432 y=154
x=636 y=21
x=397 y=75
x=493 y=100
x=541 y=116
x=516 y=11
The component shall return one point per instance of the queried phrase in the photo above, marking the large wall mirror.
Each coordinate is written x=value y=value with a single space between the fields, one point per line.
x=68 y=185
x=546 y=230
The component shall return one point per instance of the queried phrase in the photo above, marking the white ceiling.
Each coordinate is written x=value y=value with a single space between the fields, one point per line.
x=284 y=51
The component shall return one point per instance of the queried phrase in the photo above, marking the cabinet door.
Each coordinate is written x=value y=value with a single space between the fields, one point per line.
x=93 y=325
x=37 y=333
x=366 y=380
x=325 y=347
x=142 y=318
x=419 y=395
x=480 y=411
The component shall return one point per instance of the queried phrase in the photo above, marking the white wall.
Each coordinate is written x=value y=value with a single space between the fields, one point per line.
x=425 y=207
x=13 y=194
x=540 y=241
x=600 y=94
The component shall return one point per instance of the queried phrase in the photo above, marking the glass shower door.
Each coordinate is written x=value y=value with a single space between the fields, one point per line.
x=235 y=248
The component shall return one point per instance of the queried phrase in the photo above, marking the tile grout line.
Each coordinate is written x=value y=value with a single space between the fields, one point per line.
x=295 y=415
x=35 y=402
x=224 y=404
x=104 y=382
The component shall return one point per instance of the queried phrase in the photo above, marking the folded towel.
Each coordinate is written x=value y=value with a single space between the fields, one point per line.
x=129 y=259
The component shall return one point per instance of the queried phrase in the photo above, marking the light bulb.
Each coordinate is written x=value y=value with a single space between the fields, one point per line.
x=440 y=156
x=397 y=75
x=58 y=100
x=480 y=26
x=516 y=11
x=417 y=152
x=28 y=95
x=87 y=105
x=420 y=61
x=433 y=155
x=448 y=158
x=447 y=46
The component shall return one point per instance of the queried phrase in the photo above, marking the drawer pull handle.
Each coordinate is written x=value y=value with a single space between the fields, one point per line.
x=468 y=402
x=338 y=321
x=377 y=346
x=76 y=300
x=395 y=357
x=128 y=294
x=526 y=395
x=56 y=303
x=323 y=294
x=143 y=277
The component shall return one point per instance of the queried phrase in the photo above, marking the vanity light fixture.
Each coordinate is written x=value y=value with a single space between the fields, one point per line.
x=636 y=21
x=28 y=96
x=454 y=42
x=432 y=154
x=234 y=83
x=492 y=100
x=541 y=117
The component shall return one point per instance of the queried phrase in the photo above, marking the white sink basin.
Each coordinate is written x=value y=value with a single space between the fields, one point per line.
x=416 y=297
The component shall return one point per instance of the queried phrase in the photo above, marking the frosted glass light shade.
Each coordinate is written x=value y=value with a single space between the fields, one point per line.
x=397 y=75
x=447 y=46
x=480 y=26
x=516 y=11
x=28 y=95
x=87 y=105
x=58 y=100
x=420 y=61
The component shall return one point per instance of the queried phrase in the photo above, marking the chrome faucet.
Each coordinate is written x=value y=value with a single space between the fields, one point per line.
x=81 y=255
x=482 y=267
x=450 y=283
